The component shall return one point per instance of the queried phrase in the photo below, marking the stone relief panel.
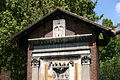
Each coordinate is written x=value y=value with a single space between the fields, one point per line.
x=60 y=70
x=59 y=28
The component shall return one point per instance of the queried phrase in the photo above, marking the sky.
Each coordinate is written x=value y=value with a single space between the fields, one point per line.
x=110 y=9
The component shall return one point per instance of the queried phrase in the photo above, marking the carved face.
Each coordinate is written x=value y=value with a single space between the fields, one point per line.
x=59 y=28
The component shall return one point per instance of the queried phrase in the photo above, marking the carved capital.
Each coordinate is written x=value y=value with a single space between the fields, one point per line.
x=35 y=62
x=85 y=59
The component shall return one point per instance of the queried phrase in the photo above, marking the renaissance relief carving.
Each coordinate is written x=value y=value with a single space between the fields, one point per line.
x=59 y=28
x=60 y=70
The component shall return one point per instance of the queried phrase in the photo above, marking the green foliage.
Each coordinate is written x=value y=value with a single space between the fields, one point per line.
x=110 y=60
x=107 y=51
x=110 y=56
x=33 y=10
x=11 y=57
x=110 y=70
x=108 y=23
x=111 y=50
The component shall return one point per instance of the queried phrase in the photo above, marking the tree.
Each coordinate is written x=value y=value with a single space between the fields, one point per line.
x=112 y=49
x=15 y=15
x=107 y=22
x=11 y=57
x=110 y=56
x=110 y=69
x=107 y=51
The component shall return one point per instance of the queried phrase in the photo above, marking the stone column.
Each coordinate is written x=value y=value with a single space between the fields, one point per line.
x=72 y=70
x=85 y=61
x=35 y=68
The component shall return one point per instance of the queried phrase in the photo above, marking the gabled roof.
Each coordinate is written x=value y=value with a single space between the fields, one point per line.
x=56 y=12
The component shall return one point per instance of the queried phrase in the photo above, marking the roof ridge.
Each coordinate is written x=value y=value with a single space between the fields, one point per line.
x=69 y=13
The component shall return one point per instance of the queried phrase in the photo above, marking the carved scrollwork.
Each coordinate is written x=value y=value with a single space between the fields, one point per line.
x=85 y=59
x=72 y=63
